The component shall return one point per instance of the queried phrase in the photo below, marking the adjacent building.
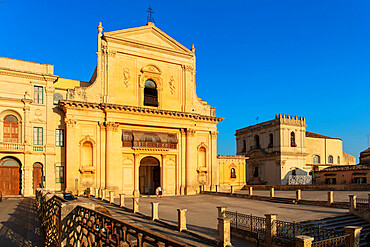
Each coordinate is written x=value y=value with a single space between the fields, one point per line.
x=281 y=151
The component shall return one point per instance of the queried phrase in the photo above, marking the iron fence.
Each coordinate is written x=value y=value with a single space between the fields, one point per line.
x=247 y=222
x=341 y=241
x=87 y=227
x=362 y=203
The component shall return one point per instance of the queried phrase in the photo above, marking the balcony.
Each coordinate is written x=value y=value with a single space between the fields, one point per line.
x=11 y=147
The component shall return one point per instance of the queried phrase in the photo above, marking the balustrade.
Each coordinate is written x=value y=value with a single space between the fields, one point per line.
x=11 y=145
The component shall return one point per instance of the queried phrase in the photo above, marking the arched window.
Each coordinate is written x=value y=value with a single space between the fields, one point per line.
x=255 y=172
x=244 y=146
x=150 y=93
x=294 y=172
x=330 y=159
x=271 y=140
x=338 y=159
x=316 y=159
x=256 y=141
x=232 y=173
x=10 y=129
x=292 y=140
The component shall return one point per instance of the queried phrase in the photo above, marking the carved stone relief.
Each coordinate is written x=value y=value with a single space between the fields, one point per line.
x=172 y=85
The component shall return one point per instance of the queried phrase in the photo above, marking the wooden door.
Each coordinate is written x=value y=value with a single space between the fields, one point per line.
x=10 y=129
x=9 y=180
x=37 y=176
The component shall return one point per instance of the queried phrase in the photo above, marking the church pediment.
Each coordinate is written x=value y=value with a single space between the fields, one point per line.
x=148 y=35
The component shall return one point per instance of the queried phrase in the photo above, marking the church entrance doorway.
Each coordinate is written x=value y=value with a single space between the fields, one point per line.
x=149 y=175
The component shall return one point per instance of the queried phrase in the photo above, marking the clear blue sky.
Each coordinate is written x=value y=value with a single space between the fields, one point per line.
x=254 y=58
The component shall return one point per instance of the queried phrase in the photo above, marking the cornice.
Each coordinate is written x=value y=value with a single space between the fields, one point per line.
x=64 y=104
x=28 y=75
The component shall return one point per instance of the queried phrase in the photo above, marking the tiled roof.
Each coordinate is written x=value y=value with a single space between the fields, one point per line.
x=315 y=135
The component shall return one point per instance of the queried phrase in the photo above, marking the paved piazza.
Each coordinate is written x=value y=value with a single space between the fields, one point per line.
x=202 y=211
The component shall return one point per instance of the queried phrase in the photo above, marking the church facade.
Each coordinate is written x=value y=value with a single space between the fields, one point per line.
x=281 y=151
x=136 y=125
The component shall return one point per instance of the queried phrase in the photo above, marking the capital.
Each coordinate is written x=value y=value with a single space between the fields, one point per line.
x=111 y=126
x=214 y=134
x=190 y=132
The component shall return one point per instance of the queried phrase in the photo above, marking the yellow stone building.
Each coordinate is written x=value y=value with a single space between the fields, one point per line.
x=135 y=125
x=281 y=151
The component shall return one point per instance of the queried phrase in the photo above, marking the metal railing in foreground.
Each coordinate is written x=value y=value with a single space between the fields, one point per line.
x=341 y=241
x=86 y=227
x=247 y=222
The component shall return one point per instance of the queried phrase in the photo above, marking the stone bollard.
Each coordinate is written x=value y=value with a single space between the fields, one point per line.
x=303 y=241
x=155 y=210
x=96 y=193
x=224 y=232
x=135 y=204
x=111 y=196
x=232 y=189
x=181 y=216
x=92 y=191
x=103 y=194
x=330 y=198
x=354 y=235
x=216 y=188
x=100 y=193
x=272 y=192
x=298 y=195
x=250 y=191
x=221 y=214
x=352 y=202
x=121 y=200
x=270 y=229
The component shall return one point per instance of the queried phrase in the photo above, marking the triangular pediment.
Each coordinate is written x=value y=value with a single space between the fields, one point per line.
x=148 y=35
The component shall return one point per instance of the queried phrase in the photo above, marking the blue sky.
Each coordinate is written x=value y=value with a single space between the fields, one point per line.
x=254 y=58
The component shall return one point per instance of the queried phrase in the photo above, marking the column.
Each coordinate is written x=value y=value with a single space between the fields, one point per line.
x=352 y=202
x=181 y=216
x=272 y=192
x=220 y=214
x=330 y=198
x=163 y=174
x=155 y=211
x=250 y=191
x=109 y=166
x=303 y=241
x=190 y=162
x=214 y=165
x=135 y=204
x=183 y=161
x=121 y=200
x=71 y=154
x=136 y=192
x=224 y=231
x=298 y=195
x=111 y=196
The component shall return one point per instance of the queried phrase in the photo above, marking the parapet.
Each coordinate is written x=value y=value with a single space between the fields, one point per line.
x=290 y=119
x=26 y=66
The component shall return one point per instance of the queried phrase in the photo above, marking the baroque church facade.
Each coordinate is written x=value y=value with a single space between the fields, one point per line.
x=136 y=125
x=282 y=152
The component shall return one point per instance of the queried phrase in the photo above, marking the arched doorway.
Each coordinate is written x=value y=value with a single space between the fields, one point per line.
x=10 y=176
x=149 y=175
x=37 y=176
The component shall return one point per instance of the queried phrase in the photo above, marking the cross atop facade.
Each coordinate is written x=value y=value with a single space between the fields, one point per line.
x=150 y=17
x=257 y=119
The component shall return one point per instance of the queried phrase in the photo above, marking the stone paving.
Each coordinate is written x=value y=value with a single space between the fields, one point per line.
x=339 y=196
x=19 y=223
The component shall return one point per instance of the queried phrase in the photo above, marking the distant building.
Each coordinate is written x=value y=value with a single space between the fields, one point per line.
x=348 y=174
x=281 y=151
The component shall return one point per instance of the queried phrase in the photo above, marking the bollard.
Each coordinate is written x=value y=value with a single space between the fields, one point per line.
x=298 y=195
x=221 y=214
x=352 y=202
x=92 y=191
x=135 y=204
x=250 y=191
x=121 y=200
x=330 y=198
x=232 y=189
x=354 y=235
x=96 y=193
x=155 y=210
x=181 y=216
x=224 y=232
x=111 y=196
x=272 y=192
x=216 y=188
x=103 y=194
x=303 y=241
x=270 y=229
x=99 y=193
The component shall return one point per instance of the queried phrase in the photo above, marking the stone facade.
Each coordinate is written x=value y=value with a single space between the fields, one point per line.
x=281 y=151
x=136 y=125
x=232 y=170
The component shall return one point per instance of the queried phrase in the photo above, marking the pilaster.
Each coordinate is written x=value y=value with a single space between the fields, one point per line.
x=190 y=163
